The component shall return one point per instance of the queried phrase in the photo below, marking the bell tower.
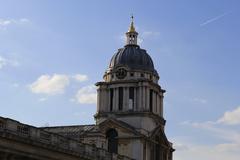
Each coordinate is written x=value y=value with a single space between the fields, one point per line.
x=131 y=35
x=130 y=94
x=130 y=90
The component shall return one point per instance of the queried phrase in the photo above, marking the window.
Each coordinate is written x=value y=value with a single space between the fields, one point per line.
x=131 y=74
x=112 y=140
x=142 y=75
x=131 y=98
x=120 y=98
x=150 y=100
x=157 y=148
x=151 y=77
x=111 y=99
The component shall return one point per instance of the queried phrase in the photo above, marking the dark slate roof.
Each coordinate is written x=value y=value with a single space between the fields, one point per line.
x=72 y=131
x=133 y=57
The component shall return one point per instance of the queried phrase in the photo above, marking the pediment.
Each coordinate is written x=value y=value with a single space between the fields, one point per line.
x=159 y=132
x=120 y=126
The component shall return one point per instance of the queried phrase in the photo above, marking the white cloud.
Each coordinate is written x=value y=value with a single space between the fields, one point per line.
x=57 y=84
x=80 y=77
x=150 y=33
x=226 y=147
x=4 y=62
x=15 y=85
x=228 y=118
x=229 y=147
x=4 y=23
x=87 y=95
x=200 y=100
x=147 y=35
x=180 y=146
x=226 y=143
x=209 y=152
x=231 y=117
x=50 y=85
x=122 y=37
x=228 y=138
x=24 y=20
x=140 y=40
x=216 y=130
x=42 y=99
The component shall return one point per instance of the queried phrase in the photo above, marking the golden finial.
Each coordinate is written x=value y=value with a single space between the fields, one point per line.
x=132 y=28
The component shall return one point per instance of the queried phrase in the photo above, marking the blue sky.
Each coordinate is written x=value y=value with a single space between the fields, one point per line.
x=52 y=53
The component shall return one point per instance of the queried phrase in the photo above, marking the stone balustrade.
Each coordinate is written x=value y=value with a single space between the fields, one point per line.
x=17 y=131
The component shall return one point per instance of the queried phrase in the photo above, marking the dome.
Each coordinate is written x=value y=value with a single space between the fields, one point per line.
x=133 y=57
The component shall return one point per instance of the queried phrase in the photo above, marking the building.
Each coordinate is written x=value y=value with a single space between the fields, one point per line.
x=129 y=118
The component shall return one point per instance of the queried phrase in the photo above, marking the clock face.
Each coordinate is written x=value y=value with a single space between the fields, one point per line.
x=121 y=73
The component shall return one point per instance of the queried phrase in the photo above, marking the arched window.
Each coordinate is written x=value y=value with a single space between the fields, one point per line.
x=112 y=140
x=157 y=148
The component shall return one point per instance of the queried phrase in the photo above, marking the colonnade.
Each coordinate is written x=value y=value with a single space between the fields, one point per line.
x=142 y=101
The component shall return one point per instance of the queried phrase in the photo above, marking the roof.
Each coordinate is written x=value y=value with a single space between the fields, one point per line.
x=133 y=57
x=72 y=131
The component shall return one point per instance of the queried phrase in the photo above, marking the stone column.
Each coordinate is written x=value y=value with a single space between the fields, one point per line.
x=127 y=94
x=139 y=98
x=101 y=99
x=125 y=99
x=143 y=98
x=109 y=99
x=116 y=98
x=148 y=152
x=105 y=97
x=158 y=105
x=161 y=108
x=154 y=101
x=135 y=99
x=147 y=99
x=98 y=100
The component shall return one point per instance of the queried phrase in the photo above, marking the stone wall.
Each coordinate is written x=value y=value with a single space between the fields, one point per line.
x=24 y=140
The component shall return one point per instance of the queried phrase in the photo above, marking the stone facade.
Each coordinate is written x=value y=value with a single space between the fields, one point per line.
x=130 y=100
x=24 y=142
x=129 y=118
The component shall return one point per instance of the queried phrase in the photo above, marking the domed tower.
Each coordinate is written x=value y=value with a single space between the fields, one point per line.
x=130 y=94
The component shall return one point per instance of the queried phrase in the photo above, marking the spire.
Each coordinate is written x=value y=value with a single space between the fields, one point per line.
x=132 y=28
x=131 y=34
